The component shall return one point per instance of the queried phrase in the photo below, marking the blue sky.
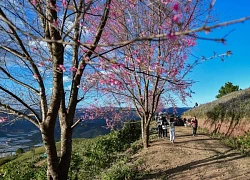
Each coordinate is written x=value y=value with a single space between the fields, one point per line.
x=212 y=74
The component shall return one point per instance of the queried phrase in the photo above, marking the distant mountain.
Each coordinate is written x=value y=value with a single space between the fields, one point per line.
x=86 y=129
x=179 y=111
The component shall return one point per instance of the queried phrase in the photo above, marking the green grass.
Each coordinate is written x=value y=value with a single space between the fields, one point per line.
x=6 y=159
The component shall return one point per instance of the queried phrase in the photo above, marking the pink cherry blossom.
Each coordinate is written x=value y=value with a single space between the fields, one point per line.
x=86 y=59
x=64 y=3
x=41 y=64
x=191 y=42
x=34 y=2
x=56 y=23
x=177 y=17
x=84 y=88
x=3 y=119
x=171 y=36
x=73 y=69
x=61 y=67
x=165 y=1
x=176 y=7
x=35 y=76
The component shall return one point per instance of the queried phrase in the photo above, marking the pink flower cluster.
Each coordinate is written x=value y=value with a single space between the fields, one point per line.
x=73 y=69
x=61 y=68
x=165 y=1
x=3 y=119
x=35 y=76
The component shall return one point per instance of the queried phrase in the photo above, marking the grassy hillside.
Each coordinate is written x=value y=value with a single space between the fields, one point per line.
x=234 y=104
x=103 y=156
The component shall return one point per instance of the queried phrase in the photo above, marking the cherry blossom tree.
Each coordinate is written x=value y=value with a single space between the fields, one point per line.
x=40 y=49
x=53 y=52
x=148 y=74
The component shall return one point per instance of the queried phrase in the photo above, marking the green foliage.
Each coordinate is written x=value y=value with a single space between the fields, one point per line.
x=120 y=171
x=244 y=143
x=89 y=158
x=226 y=89
x=23 y=171
x=6 y=159
x=102 y=151
x=19 y=151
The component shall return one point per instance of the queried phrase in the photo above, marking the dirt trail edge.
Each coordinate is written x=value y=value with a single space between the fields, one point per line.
x=192 y=157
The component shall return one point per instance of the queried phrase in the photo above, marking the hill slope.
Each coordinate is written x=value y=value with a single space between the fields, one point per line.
x=229 y=114
x=239 y=100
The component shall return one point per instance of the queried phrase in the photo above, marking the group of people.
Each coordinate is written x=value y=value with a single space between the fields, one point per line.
x=163 y=121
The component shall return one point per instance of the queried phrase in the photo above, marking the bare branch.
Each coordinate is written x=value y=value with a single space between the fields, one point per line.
x=19 y=82
x=22 y=102
x=19 y=114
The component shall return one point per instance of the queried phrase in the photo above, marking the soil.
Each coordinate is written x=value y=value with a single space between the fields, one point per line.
x=192 y=157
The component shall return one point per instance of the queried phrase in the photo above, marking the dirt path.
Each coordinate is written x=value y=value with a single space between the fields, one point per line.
x=198 y=157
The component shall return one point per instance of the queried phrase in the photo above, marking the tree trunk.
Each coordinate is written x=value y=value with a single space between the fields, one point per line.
x=58 y=170
x=66 y=151
x=50 y=147
x=145 y=134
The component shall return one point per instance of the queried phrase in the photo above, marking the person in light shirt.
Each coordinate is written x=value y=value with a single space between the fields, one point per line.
x=172 y=130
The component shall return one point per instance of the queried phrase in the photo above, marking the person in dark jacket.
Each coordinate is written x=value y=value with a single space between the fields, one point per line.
x=164 y=127
x=159 y=125
x=194 y=124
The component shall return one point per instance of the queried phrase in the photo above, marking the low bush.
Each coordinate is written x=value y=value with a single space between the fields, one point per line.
x=120 y=171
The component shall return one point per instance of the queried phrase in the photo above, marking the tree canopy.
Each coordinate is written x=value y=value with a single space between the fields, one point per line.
x=226 y=89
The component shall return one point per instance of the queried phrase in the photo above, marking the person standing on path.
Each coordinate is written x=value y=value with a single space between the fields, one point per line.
x=194 y=125
x=164 y=127
x=159 y=125
x=172 y=130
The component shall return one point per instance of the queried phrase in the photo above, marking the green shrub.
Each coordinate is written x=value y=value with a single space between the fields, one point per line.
x=120 y=171
x=19 y=151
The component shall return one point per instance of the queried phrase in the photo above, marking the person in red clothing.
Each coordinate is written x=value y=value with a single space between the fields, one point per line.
x=194 y=124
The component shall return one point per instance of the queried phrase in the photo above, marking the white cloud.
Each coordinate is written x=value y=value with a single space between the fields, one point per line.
x=66 y=79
